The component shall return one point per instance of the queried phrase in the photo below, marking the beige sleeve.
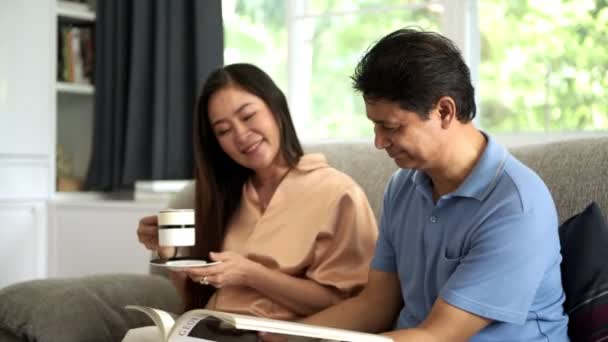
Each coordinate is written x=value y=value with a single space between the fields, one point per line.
x=343 y=252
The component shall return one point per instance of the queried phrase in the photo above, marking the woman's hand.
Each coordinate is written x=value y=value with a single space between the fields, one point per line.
x=147 y=234
x=270 y=337
x=233 y=270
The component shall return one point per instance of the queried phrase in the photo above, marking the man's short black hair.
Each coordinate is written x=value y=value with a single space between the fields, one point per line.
x=415 y=68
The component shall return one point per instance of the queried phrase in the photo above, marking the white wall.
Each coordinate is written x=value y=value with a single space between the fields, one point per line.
x=27 y=144
x=91 y=236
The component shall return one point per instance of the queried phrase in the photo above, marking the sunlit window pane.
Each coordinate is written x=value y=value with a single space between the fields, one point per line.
x=341 y=31
x=319 y=7
x=544 y=65
x=255 y=31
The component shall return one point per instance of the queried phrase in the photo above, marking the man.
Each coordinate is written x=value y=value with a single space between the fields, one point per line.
x=468 y=246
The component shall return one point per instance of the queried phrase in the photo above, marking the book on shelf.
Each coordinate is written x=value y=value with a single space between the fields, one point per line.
x=75 y=54
x=196 y=325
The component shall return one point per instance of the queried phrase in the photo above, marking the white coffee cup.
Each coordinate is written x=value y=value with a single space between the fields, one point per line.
x=176 y=227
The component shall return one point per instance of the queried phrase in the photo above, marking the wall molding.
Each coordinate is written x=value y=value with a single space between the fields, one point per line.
x=25 y=176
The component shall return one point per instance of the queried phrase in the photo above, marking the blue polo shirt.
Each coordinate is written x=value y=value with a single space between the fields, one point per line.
x=491 y=247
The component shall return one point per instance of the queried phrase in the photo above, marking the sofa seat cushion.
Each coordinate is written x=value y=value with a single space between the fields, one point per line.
x=81 y=309
x=584 y=239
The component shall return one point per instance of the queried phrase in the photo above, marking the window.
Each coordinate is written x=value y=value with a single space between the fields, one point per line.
x=536 y=65
x=255 y=31
x=544 y=65
x=327 y=39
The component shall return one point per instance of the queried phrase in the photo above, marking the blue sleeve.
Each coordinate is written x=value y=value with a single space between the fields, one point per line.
x=384 y=256
x=499 y=275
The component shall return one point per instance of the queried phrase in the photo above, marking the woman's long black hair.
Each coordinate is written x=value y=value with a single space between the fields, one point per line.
x=219 y=179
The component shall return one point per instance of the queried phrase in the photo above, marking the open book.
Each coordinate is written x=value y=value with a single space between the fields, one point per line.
x=216 y=326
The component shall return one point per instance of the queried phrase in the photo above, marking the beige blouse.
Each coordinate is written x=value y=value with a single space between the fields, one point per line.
x=318 y=225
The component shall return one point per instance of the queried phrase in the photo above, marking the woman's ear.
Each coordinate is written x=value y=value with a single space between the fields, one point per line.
x=446 y=107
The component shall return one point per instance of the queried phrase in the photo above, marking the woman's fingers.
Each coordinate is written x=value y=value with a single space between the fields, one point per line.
x=147 y=232
x=207 y=280
x=211 y=275
x=270 y=337
x=151 y=220
x=203 y=271
x=165 y=252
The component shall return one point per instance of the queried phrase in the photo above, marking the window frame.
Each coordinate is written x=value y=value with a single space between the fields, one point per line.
x=464 y=33
x=459 y=23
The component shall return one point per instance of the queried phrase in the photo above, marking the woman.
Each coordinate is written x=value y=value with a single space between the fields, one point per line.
x=294 y=235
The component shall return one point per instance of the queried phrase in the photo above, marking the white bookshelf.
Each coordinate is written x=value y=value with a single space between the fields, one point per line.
x=75 y=11
x=75 y=88
x=74 y=101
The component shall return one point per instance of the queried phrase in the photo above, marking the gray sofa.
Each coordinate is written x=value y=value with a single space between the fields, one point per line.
x=91 y=308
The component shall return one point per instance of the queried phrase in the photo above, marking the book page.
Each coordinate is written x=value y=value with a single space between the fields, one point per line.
x=162 y=319
x=251 y=323
x=200 y=327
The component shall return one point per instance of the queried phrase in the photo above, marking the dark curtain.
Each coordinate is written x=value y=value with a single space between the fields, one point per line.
x=152 y=57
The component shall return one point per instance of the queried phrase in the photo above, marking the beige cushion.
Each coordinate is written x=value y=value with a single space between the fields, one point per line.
x=575 y=171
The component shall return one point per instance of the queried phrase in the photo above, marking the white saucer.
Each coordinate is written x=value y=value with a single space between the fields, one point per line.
x=182 y=263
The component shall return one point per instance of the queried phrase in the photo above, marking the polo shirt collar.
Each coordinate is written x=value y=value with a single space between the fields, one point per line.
x=482 y=179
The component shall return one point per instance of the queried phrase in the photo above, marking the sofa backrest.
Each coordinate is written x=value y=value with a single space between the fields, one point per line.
x=575 y=171
x=369 y=167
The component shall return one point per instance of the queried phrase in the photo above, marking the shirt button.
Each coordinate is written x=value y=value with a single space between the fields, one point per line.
x=433 y=219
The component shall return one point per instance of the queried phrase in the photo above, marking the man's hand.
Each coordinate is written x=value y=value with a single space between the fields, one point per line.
x=445 y=322
x=373 y=310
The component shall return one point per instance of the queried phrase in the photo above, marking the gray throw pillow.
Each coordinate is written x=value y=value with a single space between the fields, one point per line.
x=81 y=309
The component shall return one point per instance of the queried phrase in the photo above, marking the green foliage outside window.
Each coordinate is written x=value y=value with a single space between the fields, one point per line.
x=255 y=31
x=338 y=44
x=544 y=64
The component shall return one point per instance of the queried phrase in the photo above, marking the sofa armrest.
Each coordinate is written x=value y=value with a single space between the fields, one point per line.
x=6 y=336
x=82 y=309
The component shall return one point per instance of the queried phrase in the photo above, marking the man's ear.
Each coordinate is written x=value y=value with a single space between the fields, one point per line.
x=446 y=107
